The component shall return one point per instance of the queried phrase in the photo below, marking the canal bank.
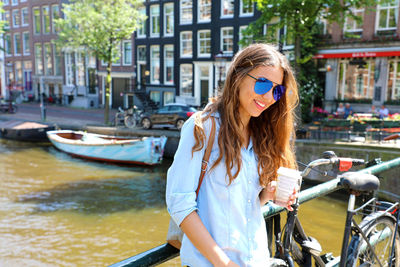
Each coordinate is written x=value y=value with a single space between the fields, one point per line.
x=92 y=120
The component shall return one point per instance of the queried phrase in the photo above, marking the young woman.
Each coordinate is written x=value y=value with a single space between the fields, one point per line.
x=254 y=116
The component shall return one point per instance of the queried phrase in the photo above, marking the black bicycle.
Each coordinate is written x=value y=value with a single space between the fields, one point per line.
x=375 y=241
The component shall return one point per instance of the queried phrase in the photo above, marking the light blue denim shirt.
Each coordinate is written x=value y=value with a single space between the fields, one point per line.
x=232 y=214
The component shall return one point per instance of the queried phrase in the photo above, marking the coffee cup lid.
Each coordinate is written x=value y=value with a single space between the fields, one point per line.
x=289 y=172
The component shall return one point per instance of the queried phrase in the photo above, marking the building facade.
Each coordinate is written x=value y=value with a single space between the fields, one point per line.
x=362 y=60
x=184 y=48
x=34 y=66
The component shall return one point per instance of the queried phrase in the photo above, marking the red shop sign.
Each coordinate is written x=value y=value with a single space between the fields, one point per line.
x=359 y=54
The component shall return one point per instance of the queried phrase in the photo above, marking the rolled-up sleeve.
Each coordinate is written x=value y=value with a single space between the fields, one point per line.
x=183 y=175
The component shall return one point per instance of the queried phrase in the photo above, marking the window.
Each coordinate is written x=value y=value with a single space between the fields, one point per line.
x=271 y=30
x=227 y=40
x=117 y=61
x=69 y=74
x=15 y=18
x=55 y=13
x=92 y=80
x=246 y=7
x=7 y=44
x=186 y=12
x=25 y=43
x=155 y=21
x=57 y=60
x=227 y=8
x=25 y=16
x=46 y=19
x=38 y=59
x=6 y=2
x=352 y=25
x=204 y=14
x=18 y=71
x=127 y=52
x=356 y=81
x=169 y=64
x=142 y=30
x=80 y=68
x=393 y=85
x=36 y=20
x=186 y=44
x=387 y=16
x=186 y=86
x=48 y=66
x=7 y=19
x=14 y=2
x=169 y=19
x=17 y=44
x=243 y=36
x=156 y=97
x=168 y=97
x=141 y=53
x=204 y=43
x=155 y=64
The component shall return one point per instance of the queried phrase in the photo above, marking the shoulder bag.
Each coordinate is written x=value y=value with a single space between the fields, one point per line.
x=175 y=234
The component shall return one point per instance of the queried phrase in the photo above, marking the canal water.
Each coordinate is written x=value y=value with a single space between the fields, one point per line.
x=56 y=210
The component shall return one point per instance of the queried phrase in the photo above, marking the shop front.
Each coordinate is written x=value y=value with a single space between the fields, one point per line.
x=362 y=77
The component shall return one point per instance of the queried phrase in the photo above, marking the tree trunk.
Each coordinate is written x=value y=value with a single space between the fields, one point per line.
x=107 y=92
x=297 y=53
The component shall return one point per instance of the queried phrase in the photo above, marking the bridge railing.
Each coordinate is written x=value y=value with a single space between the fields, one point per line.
x=166 y=252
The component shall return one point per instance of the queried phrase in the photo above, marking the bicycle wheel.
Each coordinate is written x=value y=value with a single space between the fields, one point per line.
x=130 y=121
x=380 y=232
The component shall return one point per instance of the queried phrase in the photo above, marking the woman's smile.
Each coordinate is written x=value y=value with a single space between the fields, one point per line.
x=251 y=103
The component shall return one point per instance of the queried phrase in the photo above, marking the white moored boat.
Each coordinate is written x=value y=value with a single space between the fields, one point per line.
x=144 y=151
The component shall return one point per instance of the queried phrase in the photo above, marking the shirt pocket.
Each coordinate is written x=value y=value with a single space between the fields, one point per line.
x=218 y=174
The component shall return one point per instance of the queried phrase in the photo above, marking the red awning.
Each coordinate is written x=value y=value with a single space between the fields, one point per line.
x=358 y=54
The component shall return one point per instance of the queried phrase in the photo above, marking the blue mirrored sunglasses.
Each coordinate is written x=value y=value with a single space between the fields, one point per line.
x=263 y=86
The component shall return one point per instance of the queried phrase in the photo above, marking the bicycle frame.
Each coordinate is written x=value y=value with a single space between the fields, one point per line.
x=293 y=227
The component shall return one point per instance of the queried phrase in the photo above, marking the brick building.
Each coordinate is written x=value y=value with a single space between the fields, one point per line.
x=362 y=60
x=33 y=65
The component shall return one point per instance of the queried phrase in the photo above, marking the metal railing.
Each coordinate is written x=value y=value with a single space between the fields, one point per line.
x=166 y=252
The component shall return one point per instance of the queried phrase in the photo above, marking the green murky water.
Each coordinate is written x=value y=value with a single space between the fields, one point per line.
x=56 y=210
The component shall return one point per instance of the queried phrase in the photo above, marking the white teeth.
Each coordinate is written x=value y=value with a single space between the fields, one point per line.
x=260 y=104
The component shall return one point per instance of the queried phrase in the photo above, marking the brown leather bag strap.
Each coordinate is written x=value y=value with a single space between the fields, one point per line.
x=207 y=154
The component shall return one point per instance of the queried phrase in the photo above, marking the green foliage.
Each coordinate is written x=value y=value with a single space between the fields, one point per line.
x=301 y=18
x=99 y=26
x=3 y=23
x=311 y=84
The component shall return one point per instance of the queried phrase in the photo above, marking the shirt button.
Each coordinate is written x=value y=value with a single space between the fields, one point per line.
x=248 y=220
x=248 y=200
x=249 y=182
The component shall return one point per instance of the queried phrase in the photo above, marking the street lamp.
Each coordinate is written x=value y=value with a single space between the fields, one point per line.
x=9 y=66
x=220 y=62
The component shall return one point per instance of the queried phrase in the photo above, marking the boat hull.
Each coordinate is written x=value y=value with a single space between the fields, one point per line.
x=144 y=151
x=12 y=131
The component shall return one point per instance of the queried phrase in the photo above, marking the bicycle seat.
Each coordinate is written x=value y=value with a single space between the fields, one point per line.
x=362 y=182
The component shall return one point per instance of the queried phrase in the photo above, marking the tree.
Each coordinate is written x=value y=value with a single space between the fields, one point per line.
x=3 y=23
x=99 y=27
x=297 y=21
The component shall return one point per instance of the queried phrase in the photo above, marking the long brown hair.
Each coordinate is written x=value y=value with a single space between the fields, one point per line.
x=272 y=132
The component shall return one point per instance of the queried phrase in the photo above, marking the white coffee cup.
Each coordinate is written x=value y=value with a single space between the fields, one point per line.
x=288 y=181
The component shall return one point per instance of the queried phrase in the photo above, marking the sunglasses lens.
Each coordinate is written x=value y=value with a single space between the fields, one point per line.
x=262 y=86
x=278 y=92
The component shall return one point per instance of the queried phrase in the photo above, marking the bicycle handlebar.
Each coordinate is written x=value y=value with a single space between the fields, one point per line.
x=343 y=164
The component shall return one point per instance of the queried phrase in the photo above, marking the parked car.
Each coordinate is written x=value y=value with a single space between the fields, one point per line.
x=171 y=116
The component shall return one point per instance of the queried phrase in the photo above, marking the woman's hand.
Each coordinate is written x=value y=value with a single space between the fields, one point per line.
x=268 y=193
x=292 y=200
